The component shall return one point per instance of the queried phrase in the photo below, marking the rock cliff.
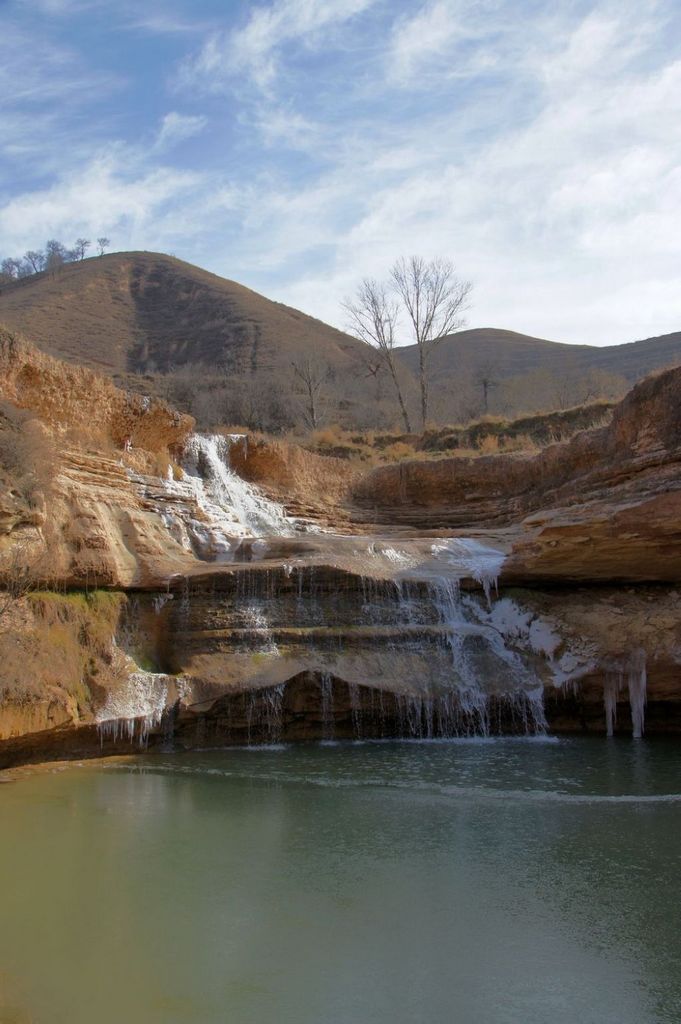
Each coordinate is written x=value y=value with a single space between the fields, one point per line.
x=257 y=591
x=604 y=506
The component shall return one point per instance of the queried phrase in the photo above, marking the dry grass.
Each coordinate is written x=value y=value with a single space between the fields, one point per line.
x=27 y=455
x=491 y=435
x=165 y=327
x=71 y=398
x=60 y=642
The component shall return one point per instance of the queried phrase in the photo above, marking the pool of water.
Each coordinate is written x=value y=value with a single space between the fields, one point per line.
x=488 y=882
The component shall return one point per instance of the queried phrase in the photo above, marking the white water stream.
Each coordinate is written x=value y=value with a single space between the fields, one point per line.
x=212 y=510
x=207 y=465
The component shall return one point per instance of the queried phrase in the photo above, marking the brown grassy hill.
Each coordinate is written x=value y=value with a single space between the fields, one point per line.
x=138 y=312
x=226 y=354
x=508 y=354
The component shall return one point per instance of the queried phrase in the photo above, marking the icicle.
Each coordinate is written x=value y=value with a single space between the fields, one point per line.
x=160 y=601
x=637 y=680
x=326 y=687
x=134 y=708
x=611 y=689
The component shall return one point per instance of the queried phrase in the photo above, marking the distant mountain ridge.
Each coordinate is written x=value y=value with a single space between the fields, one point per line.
x=510 y=354
x=146 y=313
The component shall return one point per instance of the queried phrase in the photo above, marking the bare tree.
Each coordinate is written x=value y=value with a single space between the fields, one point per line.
x=56 y=255
x=10 y=268
x=312 y=377
x=485 y=379
x=433 y=298
x=19 y=576
x=373 y=318
x=375 y=368
x=81 y=247
x=36 y=259
x=102 y=245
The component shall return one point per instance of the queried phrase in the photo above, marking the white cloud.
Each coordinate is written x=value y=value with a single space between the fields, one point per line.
x=45 y=88
x=566 y=220
x=177 y=127
x=104 y=197
x=419 y=40
x=450 y=39
x=541 y=153
x=253 y=49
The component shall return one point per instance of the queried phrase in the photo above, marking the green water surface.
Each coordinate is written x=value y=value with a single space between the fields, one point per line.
x=489 y=882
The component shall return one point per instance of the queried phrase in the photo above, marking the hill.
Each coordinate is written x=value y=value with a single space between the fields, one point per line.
x=503 y=372
x=141 y=312
x=211 y=346
x=228 y=355
x=509 y=354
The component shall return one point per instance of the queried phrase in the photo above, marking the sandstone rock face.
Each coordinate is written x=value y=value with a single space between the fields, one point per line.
x=72 y=397
x=445 y=597
x=313 y=486
x=604 y=506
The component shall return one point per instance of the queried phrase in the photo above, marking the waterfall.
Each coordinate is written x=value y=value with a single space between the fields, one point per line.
x=134 y=708
x=326 y=688
x=207 y=459
x=265 y=712
x=470 y=558
x=211 y=510
x=471 y=697
x=611 y=689
x=451 y=716
x=487 y=676
x=355 y=709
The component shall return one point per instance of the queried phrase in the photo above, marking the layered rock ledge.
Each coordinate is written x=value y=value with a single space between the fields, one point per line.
x=232 y=589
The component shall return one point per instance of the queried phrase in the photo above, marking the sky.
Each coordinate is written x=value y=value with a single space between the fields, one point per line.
x=297 y=146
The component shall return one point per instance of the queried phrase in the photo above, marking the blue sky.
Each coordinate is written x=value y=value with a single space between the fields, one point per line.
x=298 y=145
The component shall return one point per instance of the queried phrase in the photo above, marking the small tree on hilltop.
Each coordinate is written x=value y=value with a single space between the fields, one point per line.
x=10 y=268
x=81 y=247
x=36 y=260
x=102 y=245
x=56 y=255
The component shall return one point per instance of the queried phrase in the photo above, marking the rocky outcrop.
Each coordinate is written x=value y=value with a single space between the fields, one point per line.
x=70 y=443
x=239 y=619
x=66 y=396
x=271 y=656
x=313 y=487
x=604 y=506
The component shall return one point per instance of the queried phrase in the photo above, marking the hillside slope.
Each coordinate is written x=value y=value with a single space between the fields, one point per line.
x=140 y=311
x=509 y=354
x=226 y=354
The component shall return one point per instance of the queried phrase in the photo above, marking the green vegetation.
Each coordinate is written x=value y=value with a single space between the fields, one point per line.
x=61 y=641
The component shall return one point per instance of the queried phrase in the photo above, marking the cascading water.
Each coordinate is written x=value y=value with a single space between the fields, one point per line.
x=637 y=684
x=467 y=677
x=265 y=714
x=611 y=688
x=136 y=707
x=207 y=459
x=211 y=509
x=326 y=694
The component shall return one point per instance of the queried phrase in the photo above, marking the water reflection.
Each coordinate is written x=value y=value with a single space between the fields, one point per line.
x=485 y=882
